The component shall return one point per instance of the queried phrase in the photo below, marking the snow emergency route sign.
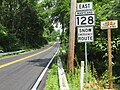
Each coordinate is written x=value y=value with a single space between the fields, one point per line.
x=85 y=34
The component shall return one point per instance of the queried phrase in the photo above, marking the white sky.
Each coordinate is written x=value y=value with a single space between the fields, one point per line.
x=39 y=1
x=58 y=25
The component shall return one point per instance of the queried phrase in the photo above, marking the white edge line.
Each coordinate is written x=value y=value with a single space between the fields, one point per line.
x=43 y=73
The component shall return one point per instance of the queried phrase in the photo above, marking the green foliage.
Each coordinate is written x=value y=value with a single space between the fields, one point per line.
x=8 y=41
x=24 y=26
x=52 y=81
x=104 y=79
x=74 y=79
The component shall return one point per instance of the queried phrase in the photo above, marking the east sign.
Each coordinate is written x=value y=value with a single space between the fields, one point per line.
x=84 y=6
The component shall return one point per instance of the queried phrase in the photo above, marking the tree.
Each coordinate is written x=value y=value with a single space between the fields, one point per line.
x=62 y=14
x=23 y=22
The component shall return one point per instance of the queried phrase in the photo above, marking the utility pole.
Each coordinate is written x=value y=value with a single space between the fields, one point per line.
x=70 y=62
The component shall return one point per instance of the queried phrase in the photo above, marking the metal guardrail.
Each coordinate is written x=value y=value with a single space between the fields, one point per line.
x=7 y=53
x=62 y=77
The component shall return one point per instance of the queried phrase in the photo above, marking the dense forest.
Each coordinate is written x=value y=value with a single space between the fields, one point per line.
x=29 y=24
x=23 y=24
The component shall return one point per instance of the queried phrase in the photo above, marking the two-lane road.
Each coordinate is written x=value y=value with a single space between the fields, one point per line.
x=20 y=72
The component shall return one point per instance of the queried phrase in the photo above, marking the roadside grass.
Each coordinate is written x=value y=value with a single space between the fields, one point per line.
x=52 y=81
x=117 y=87
x=93 y=84
x=73 y=79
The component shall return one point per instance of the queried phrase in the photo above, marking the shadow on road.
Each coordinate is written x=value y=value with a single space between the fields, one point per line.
x=40 y=62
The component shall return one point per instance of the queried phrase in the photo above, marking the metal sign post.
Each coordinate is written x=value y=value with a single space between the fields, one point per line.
x=85 y=34
x=86 y=61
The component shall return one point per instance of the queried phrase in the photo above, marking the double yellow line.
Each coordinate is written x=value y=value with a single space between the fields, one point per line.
x=18 y=60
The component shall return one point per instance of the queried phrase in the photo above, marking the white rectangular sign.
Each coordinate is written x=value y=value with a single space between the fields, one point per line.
x=110 y=24
x=85 y=20
x=84 y=6
x=89 y=12
x=85 y=34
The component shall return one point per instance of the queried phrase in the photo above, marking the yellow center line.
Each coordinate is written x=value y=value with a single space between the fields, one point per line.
x=18 y=60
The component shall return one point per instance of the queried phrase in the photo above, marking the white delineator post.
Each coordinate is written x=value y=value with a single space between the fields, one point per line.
x=82 y=75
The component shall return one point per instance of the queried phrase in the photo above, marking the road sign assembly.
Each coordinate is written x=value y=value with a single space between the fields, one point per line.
x=85 y=20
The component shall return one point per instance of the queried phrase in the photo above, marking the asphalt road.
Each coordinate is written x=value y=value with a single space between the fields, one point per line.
x=20 y=72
